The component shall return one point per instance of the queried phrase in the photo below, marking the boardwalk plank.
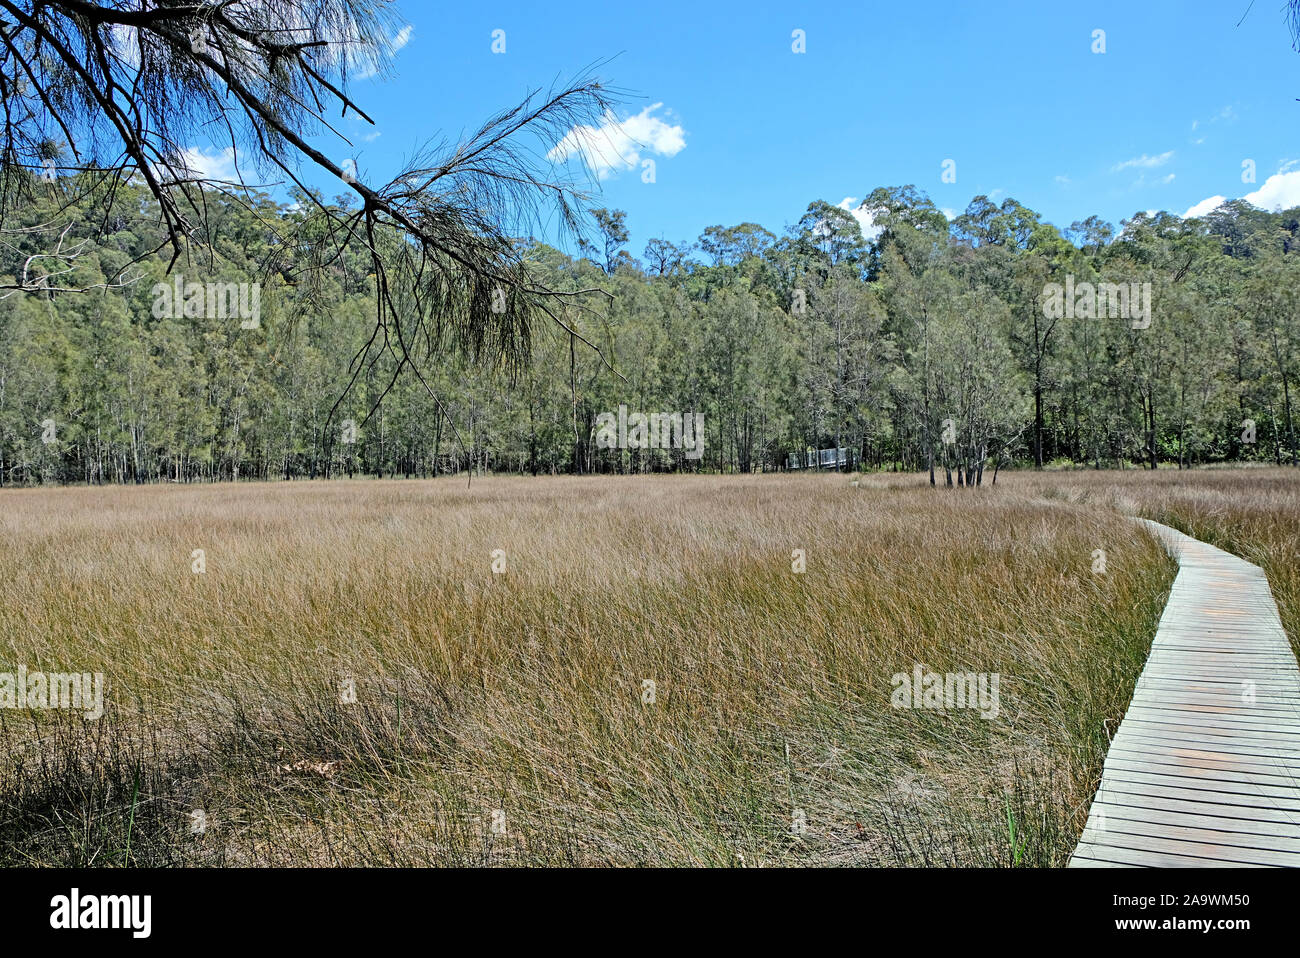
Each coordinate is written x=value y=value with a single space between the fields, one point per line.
x=1204 y=770
x=1248 y=829
x=1157 y=802
x=1281 y=739
x=1207 y=843
x=1197 y=763
x=1135 y=737
x=1152 y=858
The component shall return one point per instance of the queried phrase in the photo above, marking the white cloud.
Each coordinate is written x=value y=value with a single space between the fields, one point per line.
x=125 y=41
x=366 y=61
x=1227 y=114
x=865 y=217
x=371 y=137
x=214 y=165
x=1144 y=161
x=1281 y=191
x=1167 y=179
x=1062 y=179
x=1207 y=205
x=616 y=144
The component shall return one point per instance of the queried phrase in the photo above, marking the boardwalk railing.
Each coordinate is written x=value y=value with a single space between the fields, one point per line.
x=836 y=458
x=1204 y=770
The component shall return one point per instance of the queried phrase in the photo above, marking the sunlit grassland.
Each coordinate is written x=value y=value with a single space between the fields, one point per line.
x=1252 y=512
x=523 y=691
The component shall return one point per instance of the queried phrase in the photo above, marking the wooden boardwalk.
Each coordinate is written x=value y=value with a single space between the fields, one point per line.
x=1204 y=770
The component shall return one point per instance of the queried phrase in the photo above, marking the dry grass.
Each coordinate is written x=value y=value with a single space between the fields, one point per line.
x=1251 y=512
x=522 y=691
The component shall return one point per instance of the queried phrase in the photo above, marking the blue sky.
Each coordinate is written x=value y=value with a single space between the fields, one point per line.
x=745 y=129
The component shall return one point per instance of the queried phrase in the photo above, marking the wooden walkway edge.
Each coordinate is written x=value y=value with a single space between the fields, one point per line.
x=1204 y=770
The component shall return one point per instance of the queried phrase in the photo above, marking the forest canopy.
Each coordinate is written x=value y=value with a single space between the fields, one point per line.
x=927 y=346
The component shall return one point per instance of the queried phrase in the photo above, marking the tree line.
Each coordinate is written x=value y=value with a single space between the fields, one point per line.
x=959 y=347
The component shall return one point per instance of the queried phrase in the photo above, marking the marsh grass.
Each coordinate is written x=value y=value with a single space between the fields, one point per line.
x=522 y=691
x=1251 y=512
